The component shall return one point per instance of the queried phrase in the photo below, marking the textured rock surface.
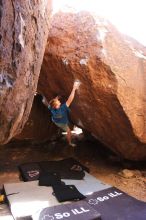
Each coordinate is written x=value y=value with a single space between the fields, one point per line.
x=23 y=35
x=112 y=69
x=39 y=127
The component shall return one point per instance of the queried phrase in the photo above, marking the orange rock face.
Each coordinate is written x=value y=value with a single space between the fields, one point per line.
x=23 y=36
x=110 y=103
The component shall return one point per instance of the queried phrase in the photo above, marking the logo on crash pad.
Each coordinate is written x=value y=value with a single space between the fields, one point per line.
x=33 y=173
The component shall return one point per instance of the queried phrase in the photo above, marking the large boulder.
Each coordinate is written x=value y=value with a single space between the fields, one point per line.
x=23 y=35
x=110 y=103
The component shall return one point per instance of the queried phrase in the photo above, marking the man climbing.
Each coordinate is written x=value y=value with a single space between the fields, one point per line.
x=59 y=112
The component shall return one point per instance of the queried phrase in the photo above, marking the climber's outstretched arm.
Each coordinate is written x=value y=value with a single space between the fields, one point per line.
x=72 y=94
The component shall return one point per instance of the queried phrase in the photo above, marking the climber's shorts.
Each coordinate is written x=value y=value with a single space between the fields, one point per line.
x=64 y=127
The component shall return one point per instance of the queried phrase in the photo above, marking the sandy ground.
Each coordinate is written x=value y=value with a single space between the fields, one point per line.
x=101 y=162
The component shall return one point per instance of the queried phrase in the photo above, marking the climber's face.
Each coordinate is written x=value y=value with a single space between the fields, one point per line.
x=57 y=104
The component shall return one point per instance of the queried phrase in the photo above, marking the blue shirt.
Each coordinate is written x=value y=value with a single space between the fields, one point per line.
x=60 y=115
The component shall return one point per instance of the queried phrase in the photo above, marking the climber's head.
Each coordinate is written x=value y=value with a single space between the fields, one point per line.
x=55 y=103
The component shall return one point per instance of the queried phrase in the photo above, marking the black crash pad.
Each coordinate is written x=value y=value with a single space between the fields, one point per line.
x=77 y=210
x=113 y=204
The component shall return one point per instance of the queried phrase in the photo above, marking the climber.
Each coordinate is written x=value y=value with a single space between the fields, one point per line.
x=59 y=112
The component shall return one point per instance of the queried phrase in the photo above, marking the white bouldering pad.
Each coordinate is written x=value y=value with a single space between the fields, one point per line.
x=27 y=198
x=88 y=185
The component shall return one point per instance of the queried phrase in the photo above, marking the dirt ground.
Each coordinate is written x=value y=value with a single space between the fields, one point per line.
x=127 y=176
